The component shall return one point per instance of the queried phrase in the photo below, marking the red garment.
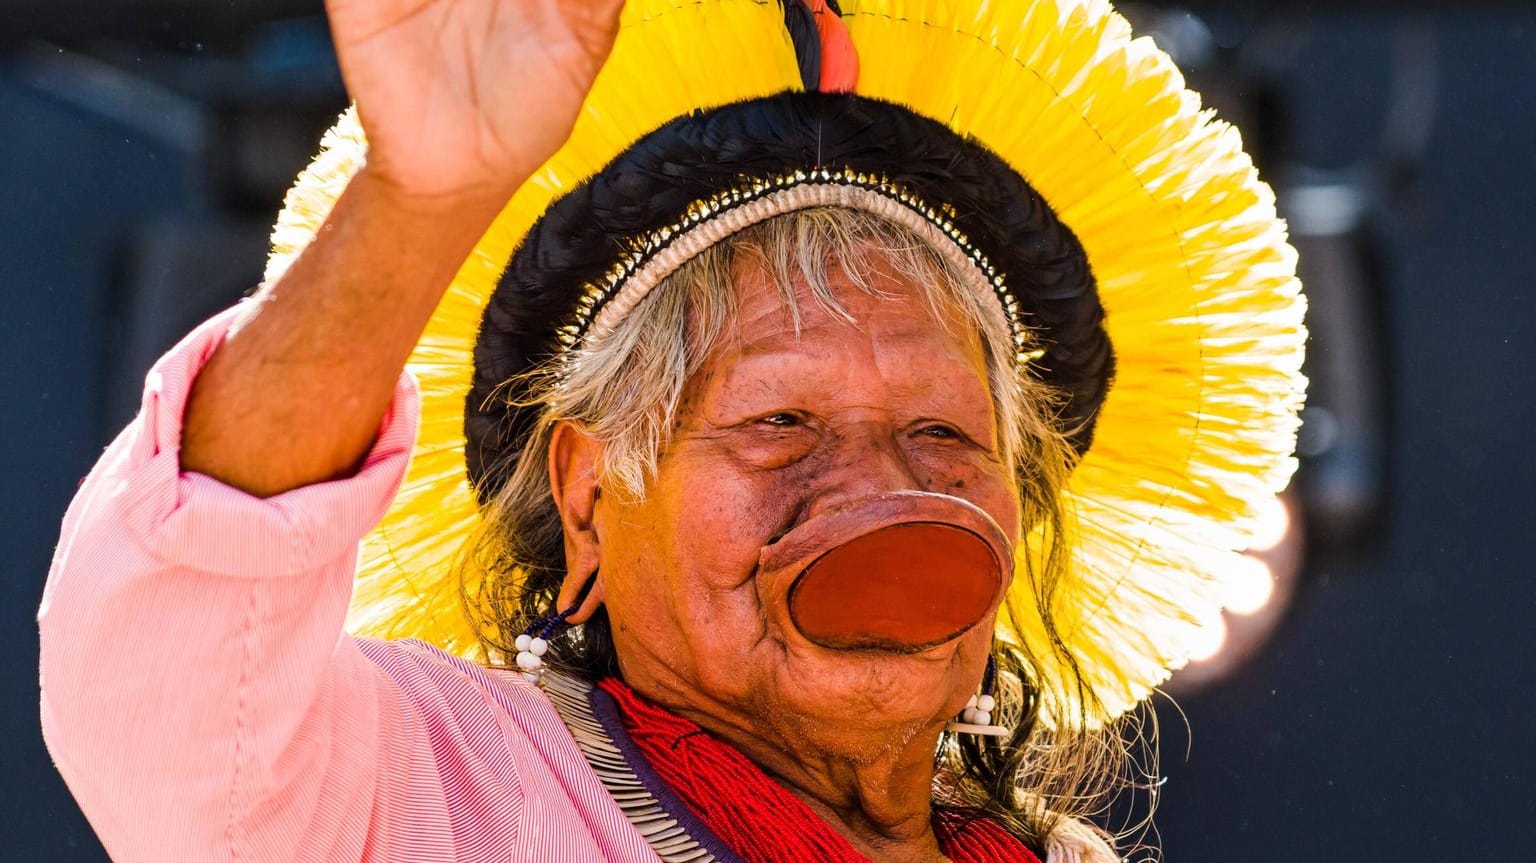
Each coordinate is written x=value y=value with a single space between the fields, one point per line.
x=759 y=818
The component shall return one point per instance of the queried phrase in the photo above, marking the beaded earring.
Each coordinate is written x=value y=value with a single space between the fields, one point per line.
x=534 y=643
x=976 y=718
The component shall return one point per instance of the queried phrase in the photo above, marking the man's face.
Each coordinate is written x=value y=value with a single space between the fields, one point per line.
x=777 y=428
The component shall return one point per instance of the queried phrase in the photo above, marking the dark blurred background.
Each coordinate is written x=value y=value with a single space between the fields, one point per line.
x=1371 y=702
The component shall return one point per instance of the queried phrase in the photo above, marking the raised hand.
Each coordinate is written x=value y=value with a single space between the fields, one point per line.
x=468 y=96
x=462 y=100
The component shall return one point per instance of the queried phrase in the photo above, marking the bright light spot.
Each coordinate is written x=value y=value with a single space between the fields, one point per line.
x=1252 y=585
x=1210 y=640
x=1274 y=523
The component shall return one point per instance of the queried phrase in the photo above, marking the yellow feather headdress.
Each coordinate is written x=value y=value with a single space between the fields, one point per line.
x=1193 y=269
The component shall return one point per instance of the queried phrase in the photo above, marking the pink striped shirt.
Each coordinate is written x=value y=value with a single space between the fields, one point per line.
x=204 y=704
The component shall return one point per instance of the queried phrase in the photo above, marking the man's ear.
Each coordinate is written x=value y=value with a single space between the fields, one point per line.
x=574 y=456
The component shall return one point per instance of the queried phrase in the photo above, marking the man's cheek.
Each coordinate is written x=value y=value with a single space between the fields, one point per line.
x=745 y=509
x=984 y=485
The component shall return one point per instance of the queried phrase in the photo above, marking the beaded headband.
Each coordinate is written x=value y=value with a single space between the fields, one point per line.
x=661 y=252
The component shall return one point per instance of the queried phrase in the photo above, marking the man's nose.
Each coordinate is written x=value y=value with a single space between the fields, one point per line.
x=863 y=459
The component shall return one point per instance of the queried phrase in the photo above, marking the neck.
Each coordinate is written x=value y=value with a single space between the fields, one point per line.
x=883 y=809
x=873 y=784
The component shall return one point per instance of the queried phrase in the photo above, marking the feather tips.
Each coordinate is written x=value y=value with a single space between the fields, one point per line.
x=1202 y=305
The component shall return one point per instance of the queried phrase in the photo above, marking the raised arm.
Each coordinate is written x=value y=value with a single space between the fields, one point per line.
x=461 y=100
x=198 y=693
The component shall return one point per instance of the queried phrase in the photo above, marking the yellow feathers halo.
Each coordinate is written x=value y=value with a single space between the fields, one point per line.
x=1193 y=268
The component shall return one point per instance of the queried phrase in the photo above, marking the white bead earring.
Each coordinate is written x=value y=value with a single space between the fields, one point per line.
x=976 y=718
x=534 y=643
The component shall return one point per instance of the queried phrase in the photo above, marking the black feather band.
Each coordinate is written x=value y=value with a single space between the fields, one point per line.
x=608 y=224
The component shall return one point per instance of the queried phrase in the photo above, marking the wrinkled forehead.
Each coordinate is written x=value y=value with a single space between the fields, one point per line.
x=877 y=337
x=875 y=301
x=809 y=277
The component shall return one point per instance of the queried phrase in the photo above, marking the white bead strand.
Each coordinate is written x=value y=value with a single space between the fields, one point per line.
x=531 y=648
x=976 y=717
x=530 y=656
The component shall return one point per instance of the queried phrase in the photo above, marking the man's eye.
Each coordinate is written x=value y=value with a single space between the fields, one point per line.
x=783 y=420
x=939 y=431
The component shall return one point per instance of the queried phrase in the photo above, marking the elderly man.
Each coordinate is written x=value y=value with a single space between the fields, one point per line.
x=770 y=433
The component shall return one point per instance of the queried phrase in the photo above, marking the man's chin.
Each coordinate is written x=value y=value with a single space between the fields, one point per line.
x=874 y=686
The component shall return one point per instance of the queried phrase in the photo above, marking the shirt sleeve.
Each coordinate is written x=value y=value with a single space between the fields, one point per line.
x=199 y=694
